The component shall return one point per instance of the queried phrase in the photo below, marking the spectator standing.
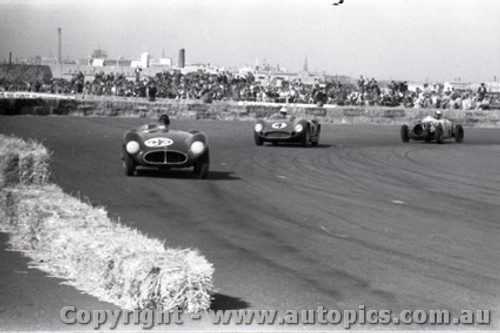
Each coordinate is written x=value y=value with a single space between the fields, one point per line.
x=152 y=90
x=137 y=74
x=361 y=84
x=481 y=92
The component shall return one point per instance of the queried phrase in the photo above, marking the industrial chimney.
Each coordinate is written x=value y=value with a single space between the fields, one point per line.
x=59 y=60
x=182 y=58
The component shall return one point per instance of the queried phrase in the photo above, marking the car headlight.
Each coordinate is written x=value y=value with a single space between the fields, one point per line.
x=197 y=147
x=299 y=128
x=258 y=127
x=133 y=147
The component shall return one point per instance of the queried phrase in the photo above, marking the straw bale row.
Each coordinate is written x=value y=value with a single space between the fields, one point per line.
x=74 y=241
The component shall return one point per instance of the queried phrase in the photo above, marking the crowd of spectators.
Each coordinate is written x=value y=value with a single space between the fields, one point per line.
x=209 y=86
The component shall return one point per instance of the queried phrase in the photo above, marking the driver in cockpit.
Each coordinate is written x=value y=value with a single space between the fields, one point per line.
x=162 y=124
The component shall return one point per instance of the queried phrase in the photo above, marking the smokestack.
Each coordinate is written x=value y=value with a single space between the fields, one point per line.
x=182 y=58
x=10 y=58
x=59 y=60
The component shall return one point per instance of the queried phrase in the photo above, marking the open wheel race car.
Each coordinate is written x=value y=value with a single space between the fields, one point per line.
x=280 y=128
x=156 y=146
x=433 y=128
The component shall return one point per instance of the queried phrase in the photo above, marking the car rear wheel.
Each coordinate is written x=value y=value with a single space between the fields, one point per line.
x=439 y=134
x=128 y=164
x=459 y=134
x=405 y=133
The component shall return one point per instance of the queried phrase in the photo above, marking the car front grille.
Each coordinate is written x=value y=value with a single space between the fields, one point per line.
x=278 y=135
x=165 y=157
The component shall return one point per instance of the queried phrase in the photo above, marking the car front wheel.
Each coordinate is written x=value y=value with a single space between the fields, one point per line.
x=128 y=164
x=459 y=134
x=307 y=138
x=202 y=166
x=258 y=140
x=405 y=133
x=203 y=171
x=439 y=134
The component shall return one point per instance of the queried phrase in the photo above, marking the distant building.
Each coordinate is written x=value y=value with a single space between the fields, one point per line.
x=279 y=78
x=100 y=54
x=143 y=62
x=48 y=60
x=207 y=68
x=491 y=87
x=25 y=73
x=97 y=62
x=457 y=85
x=162 y=62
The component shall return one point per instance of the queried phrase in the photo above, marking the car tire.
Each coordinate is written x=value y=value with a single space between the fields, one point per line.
x=128 y=164
x=202 y=166
x=315 y=142
x=196 y=168
x=459 y=134
x=439 y=134
x=307 y=137
x=203 y=171
x=405 y=137
x=258 y=140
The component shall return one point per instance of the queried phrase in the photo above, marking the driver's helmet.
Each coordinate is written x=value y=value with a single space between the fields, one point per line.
x=164 y=119
x=283 y=111
x=438 y=114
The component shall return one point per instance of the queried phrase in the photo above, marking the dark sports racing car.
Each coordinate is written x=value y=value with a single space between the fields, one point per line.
x=279 y=128
x=156 y=146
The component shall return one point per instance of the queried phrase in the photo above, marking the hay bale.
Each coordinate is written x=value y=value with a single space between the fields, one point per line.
x=9 y=171
x=74 y=241
x=34 y=165
x=22 y=162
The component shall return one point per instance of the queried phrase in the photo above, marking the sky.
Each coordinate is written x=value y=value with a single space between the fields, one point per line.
x=416 y=40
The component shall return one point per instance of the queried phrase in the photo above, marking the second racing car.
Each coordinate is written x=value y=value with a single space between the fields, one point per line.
x=281 y=128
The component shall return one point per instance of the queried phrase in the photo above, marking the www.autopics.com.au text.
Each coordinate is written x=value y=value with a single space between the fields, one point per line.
x=320 y=316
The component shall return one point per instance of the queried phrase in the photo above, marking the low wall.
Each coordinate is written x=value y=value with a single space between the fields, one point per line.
x=135 y=107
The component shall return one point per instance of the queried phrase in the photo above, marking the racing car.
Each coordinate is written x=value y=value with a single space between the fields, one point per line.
x=281 y=128
x=156 y=146
x=433 y=128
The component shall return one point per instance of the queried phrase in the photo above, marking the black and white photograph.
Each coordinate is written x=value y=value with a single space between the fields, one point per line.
x=249 y=165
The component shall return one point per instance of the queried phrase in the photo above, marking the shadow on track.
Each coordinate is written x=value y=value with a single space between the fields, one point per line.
x=433 y=143
x=294 y=145
x=224 y=302
x=184 y=174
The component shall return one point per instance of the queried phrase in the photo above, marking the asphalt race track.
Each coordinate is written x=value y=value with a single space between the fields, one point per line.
x=362 y=219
